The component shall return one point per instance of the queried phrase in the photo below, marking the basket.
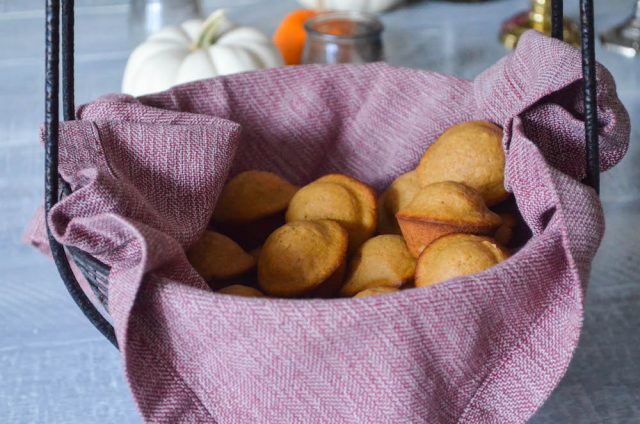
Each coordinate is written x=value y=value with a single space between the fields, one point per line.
x=60 y=42
x=60 y=32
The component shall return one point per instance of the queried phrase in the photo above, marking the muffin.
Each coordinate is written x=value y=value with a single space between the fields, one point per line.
x=469 y=153
x=251 y=206
x=217 y=258
x=303 y=259
x=456 y=255
x=376 y=291
x=444 y=208
x=399 y=194
x=381 y=261
x=504 y=233
x=343 y=199
x=241 y=290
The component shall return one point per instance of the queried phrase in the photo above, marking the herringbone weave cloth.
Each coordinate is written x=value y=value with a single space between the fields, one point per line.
x=487 y=348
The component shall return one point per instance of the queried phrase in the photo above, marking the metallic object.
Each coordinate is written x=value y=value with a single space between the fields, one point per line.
x=52 y=177
x=343 y=37
x=590 y=101
x=540 y=18
x=625 y=38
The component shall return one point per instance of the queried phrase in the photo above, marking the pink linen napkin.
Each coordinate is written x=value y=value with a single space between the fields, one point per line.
x=489 y=347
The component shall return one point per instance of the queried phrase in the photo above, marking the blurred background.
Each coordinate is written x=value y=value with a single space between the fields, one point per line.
x=56 y=368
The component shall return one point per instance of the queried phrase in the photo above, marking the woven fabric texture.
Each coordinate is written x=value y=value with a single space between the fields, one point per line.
x=487 y=348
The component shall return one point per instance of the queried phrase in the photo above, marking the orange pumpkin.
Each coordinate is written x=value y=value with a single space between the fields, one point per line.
x=290 y=35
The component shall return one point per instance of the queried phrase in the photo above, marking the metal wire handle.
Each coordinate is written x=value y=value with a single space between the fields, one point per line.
x=52 y=75
x=52 y=178
x=590 y=97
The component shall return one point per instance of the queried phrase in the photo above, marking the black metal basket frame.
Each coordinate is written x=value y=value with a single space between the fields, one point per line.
x=60 y=38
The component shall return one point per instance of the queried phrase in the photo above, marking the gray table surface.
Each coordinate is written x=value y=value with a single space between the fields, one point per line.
x=55 y=368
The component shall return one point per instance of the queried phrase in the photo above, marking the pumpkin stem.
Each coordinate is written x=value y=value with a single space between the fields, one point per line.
x=212 y=28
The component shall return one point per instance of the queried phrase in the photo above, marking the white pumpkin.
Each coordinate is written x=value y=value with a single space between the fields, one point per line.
x=196 y=50
x=371 y=6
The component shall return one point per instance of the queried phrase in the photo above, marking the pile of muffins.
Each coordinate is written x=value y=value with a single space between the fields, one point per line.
x=335 y=237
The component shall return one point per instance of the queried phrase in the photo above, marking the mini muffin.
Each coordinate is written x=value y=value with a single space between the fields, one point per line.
x=444 y=208
x=251 y=206
x=456 y=255
x=504 y=233
x=377 y=291
x=469 y=153
x=241 y=290
x=342 y=199
x=218 y=258
x=380 y=261
x=303 y=259
x=399 y=194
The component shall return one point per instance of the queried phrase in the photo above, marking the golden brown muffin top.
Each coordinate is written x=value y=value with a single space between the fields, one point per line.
x=381 y=261
x=457 y=255
x=450 y=202
x=217 y=257
x=504 y=233
x=300 y=256
x=340 y=198
x=252 y=195
x=470 y=153
x=399 y=194
x=241 y=290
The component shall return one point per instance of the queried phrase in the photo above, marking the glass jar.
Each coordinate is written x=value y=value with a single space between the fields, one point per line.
x=343 y=37
x=149 y=16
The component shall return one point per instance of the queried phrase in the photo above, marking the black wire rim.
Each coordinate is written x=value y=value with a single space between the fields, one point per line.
x=95 y=271
x=52 y=74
